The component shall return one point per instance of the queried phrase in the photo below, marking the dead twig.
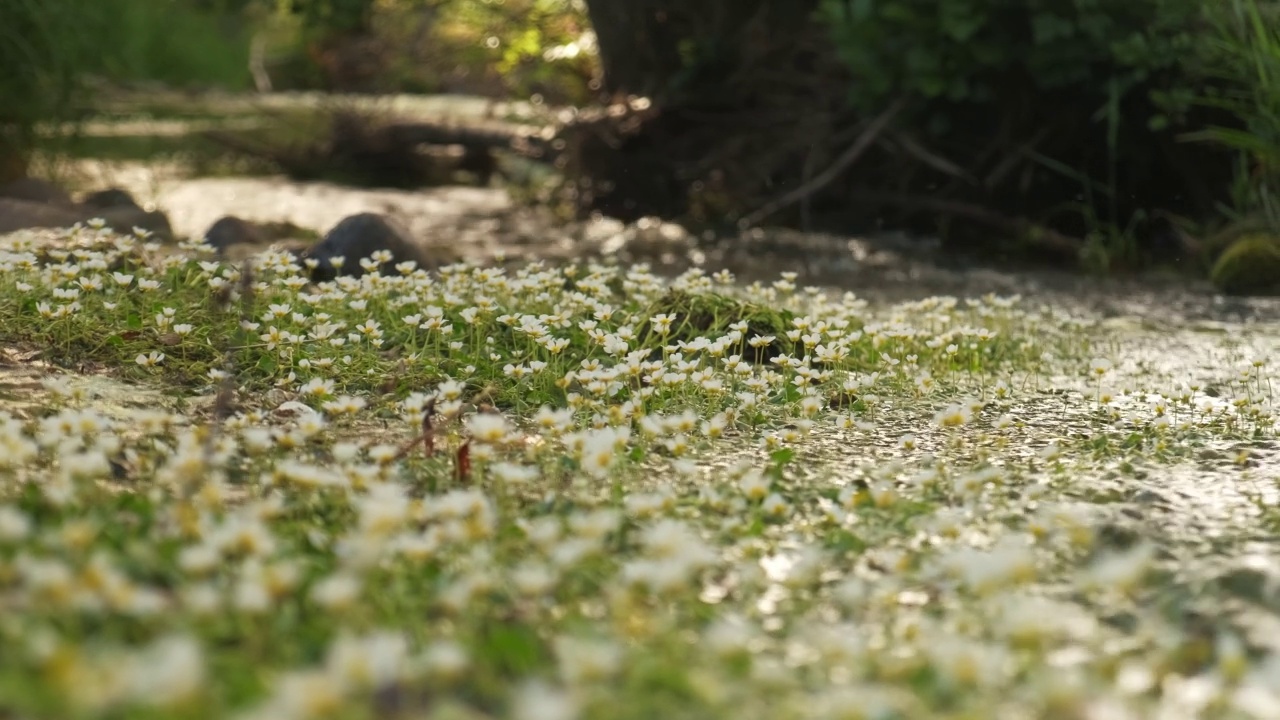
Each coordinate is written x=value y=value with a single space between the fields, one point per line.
x=833 y=171
x=224 y=401
x=1005 y=166
x=932 y=159
x=427 y=438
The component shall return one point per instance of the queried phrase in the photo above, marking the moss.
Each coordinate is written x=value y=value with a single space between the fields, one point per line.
x=1250 y=266
x=711 y=315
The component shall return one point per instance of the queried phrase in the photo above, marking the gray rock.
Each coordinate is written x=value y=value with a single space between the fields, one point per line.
x=36 y=190
x=124 y=218
x=230 y=230
x=359 y=236
x=110 y=198
x=22 y=214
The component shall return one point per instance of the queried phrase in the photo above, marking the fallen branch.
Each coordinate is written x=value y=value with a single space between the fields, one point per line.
x=931 y=159
x=833 y=171
x=1036 y=235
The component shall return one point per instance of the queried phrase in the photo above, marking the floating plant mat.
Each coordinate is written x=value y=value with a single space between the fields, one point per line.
x=585 y=491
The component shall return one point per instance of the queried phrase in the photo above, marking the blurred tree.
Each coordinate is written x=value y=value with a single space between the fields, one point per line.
x=43 y=48
x=340 y=16
x=650 y=47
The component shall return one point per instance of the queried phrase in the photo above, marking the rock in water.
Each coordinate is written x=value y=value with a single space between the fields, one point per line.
x=359 y=236
x=230 y=230
x=122 y=213
x=36 y=190
x=20 y=214
x=110 y=198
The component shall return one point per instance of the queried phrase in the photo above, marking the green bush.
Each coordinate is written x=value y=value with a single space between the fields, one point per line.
x=43 y=49
x=175 y=43
x=1249 y=266
x=985 y=50
x=1067 y=110
x=49 y=47
x=1245 y=58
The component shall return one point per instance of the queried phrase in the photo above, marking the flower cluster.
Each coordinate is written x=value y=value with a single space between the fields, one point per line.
x=553 y=492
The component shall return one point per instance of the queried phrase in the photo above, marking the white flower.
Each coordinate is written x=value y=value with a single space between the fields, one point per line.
x=336 y=591
x=537 y=700
x=14 y=525
x=596 y=524
x=1011 y=560
x=513 y=473
x=598 y=452
x=775 y=506
x=371 y=662
x=168 y=671
x=444 y=659
x=488 y=428
x=1120 y=571
x=199 y=559
x=583 y=660
x=533 y=579
x=754 y=485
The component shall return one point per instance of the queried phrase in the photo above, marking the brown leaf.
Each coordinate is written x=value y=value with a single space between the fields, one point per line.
x=842 y=399
x=463 y=468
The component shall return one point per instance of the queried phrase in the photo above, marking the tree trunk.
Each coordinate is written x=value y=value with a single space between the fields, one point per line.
x=638 y=50
x=13 y=161
x=657 y=47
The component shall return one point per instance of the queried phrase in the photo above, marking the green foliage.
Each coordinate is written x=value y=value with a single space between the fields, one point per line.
x=528 y=46
x=334 y=15
x=1251 y=266
x=1246 y=58
x=43 y=47
x=515 y=47
x=174 y=43
x=1067 y=111
x=49 y=47
x=984 y=50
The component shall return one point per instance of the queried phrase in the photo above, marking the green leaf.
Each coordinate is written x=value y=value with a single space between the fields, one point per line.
x=845 y=541
x=513 y=649
x=782 y=457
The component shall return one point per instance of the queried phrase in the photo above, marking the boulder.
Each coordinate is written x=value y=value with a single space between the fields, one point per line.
x=124 y=218
x=22 y=214
x=359 y=236
x=229 y=230
x=1250 y=266
x=110 y=198
x=36 y=190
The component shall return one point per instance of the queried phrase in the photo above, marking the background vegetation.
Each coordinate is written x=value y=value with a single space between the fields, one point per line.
x=1118 y=133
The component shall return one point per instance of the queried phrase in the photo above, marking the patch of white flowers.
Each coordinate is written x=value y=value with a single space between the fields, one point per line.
x=855 y=512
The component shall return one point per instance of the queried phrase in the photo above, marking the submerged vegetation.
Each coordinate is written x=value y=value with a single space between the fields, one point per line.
x=589 y=492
